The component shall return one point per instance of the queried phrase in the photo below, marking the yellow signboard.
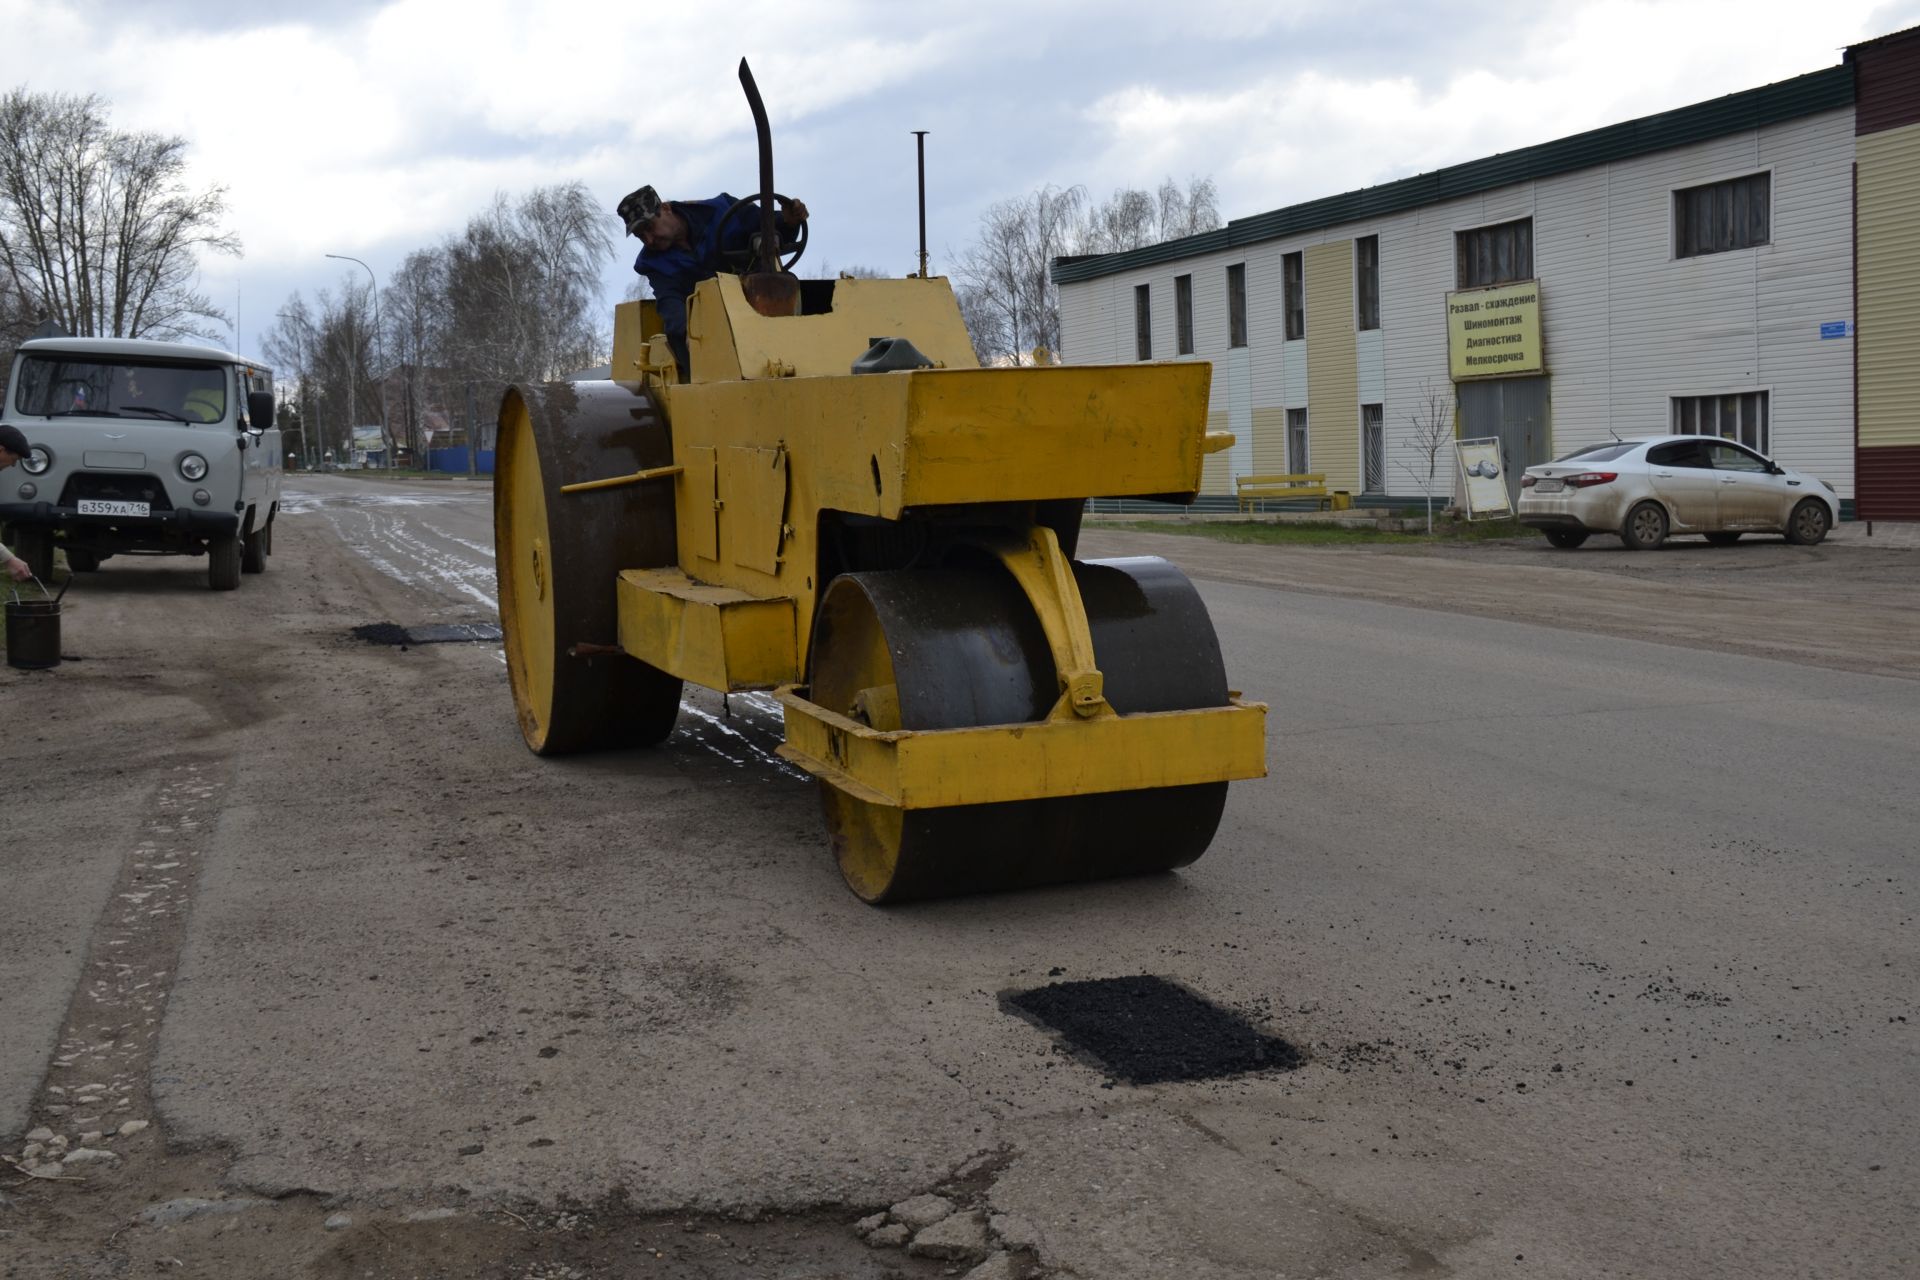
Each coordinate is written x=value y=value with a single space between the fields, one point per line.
x=1495 y=332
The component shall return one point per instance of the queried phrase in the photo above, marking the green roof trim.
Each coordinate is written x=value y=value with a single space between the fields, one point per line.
x=1818 y=91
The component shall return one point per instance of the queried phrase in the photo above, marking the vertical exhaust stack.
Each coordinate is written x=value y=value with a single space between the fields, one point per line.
x=770 y=290
x=920 y=141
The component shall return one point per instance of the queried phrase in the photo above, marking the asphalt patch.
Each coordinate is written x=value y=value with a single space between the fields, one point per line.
x=1147 y=1030
x=429 y=633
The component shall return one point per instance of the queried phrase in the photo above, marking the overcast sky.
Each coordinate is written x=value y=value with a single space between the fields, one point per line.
x=372 y=129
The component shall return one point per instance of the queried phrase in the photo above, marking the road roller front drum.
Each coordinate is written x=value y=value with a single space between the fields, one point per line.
x=958 y=648
x=559 y=555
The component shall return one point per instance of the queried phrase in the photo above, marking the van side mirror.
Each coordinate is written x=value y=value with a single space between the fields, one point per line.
x=259 y=411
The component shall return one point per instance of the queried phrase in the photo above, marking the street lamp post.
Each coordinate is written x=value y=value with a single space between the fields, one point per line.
x=380 y=353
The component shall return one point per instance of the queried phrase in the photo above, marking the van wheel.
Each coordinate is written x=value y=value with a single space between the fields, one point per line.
x=1645 y=527
x=223 y=563
x=253 y=551
x=35 y=546
x=81 y=560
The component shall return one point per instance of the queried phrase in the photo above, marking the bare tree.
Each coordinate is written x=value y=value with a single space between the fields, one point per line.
x=1189 y=212
x=1005 y=286
x=513 y=297
x=98 y=230
x=1127 y=220
x=523 y=287
x=1432 y=423
x=1006 y=292
x=417 y=334
x=1134 y=219
x=290 y=347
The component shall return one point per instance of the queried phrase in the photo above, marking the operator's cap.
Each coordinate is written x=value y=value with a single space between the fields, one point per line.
x=13 y=441
x=638 y=209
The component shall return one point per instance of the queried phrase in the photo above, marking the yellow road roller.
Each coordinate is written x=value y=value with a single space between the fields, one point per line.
x=837 y=503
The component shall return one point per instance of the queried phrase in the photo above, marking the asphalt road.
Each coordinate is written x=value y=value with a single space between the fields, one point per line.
x=1602 y=950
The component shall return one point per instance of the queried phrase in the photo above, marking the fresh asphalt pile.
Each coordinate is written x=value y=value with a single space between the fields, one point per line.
x=1147 y=1030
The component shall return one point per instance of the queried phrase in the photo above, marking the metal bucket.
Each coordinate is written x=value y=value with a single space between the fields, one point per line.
x=33 y=634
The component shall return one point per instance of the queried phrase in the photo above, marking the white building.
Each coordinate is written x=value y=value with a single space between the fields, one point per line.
x=1686 y=271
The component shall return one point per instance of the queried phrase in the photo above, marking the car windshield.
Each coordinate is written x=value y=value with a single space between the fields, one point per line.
x=1600 y=452
x=91 y=386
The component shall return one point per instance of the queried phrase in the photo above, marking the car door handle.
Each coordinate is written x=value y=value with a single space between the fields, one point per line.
x=1729 y=480
x=1664 y=475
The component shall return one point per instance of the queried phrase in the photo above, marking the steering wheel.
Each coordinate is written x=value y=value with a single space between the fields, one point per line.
x=741 y=260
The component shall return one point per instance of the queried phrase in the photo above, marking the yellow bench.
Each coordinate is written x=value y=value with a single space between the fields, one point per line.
x=1263 y=489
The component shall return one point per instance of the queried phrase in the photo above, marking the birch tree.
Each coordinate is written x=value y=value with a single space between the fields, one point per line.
x=1004 y=279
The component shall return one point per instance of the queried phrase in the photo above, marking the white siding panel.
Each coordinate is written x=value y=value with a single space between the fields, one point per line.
x=1373 y=366
x=1237 y=368
x=1293 y=364
x=1570 y=256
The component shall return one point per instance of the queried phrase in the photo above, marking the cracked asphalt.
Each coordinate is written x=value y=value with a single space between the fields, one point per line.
x=1585 y=882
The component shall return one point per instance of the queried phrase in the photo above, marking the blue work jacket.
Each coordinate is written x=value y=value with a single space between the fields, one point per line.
x=674 y=273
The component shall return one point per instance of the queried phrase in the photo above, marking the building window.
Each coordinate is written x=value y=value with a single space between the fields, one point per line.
x=1237 y=305
x=1373 y=450
x=1722 y=216
x=1297 y=442
x=1366 y=280
x=1183 y=313
x=1142 y=323
x=1496 y=254
x=1741 y=416
x=1294 y=285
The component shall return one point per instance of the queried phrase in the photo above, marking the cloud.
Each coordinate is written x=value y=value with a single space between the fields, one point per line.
x=377 y=128
x=1275 y=139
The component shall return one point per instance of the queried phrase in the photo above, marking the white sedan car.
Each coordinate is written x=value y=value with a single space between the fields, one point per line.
x=1643 y=491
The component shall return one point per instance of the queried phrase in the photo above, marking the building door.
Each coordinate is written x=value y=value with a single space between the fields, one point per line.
x=1515 y=410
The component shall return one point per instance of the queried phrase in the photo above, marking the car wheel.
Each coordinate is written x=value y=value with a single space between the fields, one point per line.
x=1566 y=539
x=223 y=563
x=1808 y=524
x=253 y=552
x=1723 y=539
x=1645 y=528
x=82 y=561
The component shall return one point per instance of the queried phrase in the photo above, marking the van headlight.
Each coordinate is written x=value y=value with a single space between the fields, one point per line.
x=37 y=461
x=193 y=466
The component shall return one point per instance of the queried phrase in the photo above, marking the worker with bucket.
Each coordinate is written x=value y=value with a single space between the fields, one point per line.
x=13 y=447
x=33 y=626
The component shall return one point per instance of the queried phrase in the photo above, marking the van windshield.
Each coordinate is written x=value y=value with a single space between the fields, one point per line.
x=56 y=386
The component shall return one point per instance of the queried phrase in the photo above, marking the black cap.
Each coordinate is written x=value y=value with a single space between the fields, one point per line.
x=638 y=209
x=13 y=442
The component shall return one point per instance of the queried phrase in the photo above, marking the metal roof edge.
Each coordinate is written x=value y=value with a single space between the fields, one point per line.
x=1817 y=91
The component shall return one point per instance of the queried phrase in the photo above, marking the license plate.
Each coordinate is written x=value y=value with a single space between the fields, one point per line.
x=105 y=507
x=1549 y=486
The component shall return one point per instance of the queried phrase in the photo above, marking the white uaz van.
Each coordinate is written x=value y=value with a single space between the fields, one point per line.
x=144 y=448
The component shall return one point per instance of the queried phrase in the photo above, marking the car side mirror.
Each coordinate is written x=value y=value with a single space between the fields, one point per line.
x=1775 y=469
x=259 y=411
